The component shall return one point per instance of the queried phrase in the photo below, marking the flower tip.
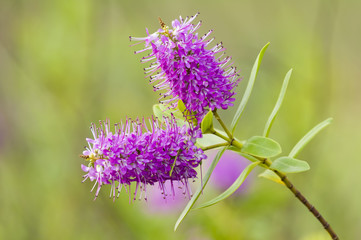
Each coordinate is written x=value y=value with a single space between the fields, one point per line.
x=162 y=24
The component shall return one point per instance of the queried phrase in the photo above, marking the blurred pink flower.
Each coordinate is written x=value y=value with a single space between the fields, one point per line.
x=227 y=171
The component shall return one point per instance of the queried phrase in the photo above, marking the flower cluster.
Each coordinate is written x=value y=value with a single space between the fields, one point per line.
x=141 y=154
x=202 y=78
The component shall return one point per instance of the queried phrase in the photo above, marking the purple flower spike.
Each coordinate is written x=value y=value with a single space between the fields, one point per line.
x=202 y=78
x=136 y=153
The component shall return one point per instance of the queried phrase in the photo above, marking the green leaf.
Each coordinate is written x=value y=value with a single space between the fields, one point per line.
x=199 y=191
x=175 y=161
x=289 y=165
x=176 y=112
x=157 y=112
x=207 y=123
x=270 y=175
x=307 y=138
x=186 y=114
x=181 y=106
x=281 y=96
x=208 y=140
x=161 y=111
x=261 y=147
x=249 y=88
x=232 y=188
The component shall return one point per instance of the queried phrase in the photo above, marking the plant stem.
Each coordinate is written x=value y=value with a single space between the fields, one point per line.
x=215 y=146
x=237 y=144
x=218 y=134
x=267 y=163
x=298 y=195
x=229 y=134
x=304 y=201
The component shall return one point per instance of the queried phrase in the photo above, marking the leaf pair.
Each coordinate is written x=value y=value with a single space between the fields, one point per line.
x=265 y=148
x=289 y=164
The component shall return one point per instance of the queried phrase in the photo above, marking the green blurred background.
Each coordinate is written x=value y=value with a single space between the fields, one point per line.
x=65 y=64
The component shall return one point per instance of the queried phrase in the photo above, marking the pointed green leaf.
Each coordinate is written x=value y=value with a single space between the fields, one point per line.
x=161 y=111
x=307 y=138
x=261 y=147
x=249 y=88
x=186 y=113
x=174 y=162
x=199 y=191
x=207 y=122
x=157 y=112
x=208 y=140
x=176 y=113
x=270 y=175
x=281 y=96
x=232 y=188
x=181 y=106
x=289 y=165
